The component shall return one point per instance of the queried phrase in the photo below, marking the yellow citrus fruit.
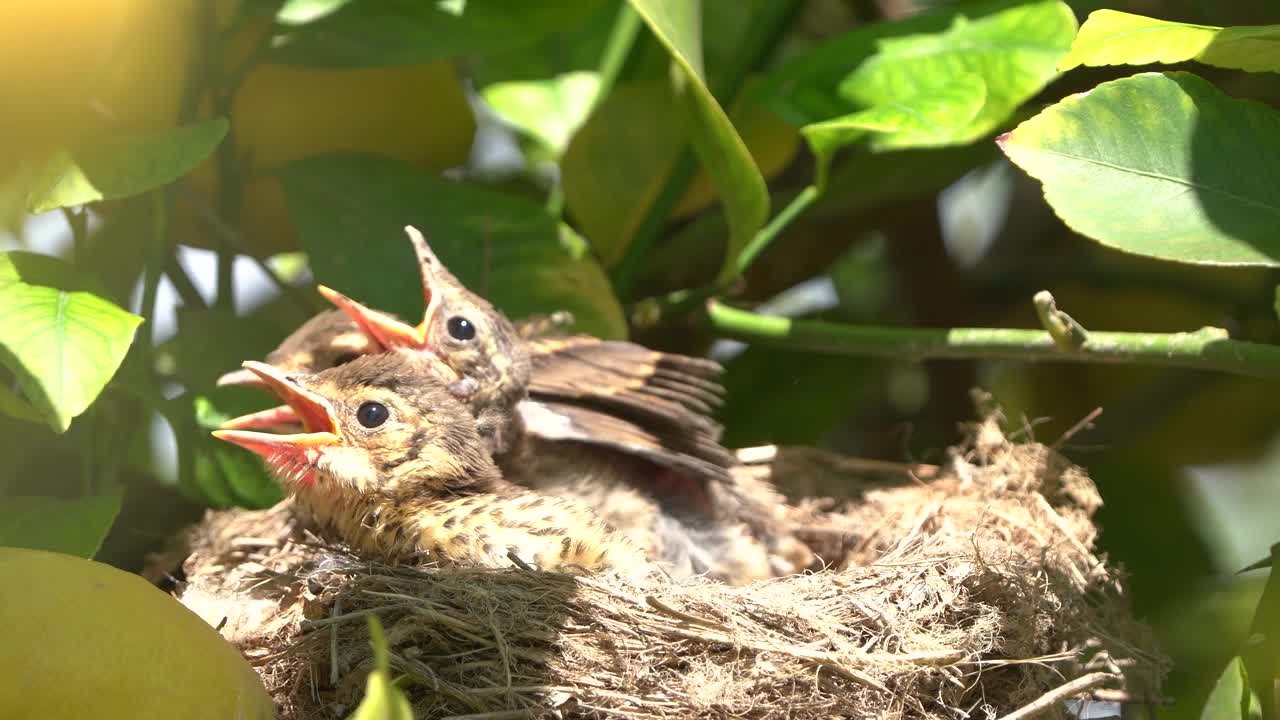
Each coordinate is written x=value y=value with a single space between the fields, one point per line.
x=282 y=113
x=84 y=639
x=72 y=69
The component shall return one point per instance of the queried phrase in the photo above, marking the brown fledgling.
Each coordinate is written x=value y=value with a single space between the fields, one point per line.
x=393 y=463
x=617 y=424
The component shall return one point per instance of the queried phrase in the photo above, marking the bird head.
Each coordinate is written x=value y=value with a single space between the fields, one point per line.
x=464 y=332
x=380 y=423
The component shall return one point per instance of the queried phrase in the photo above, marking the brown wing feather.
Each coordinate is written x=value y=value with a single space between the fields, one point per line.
x=698 y=457
x=629 y=379
x=669 y=397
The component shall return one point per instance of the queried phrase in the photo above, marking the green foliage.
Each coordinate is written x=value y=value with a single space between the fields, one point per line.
x=724 y=156
x=62 y=344
x=123 y=166
x=365 y=33
x=646 y=132
x=1163 y=165
x=73 y=526
x=1231 y=698
x=1117 y=38
x=382 y=699
x=351 y=213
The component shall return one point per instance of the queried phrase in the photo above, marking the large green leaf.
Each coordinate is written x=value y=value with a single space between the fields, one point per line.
x=382 y=699
x=938 y=115
x=677 y=25
x=1013 y=45
x=62 y=344
x=350 y=211
x=362 y=33
x=122 y=166
x=1110 y=37
x=1231 y=698
x=1163 y=165
x=75 y=527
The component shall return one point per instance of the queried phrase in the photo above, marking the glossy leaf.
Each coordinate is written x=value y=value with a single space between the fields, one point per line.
x=350 y=211
x=365 y=33
x=1163 y=165
x=1231 y=698
x=723 y=154
x=213 y=471
x=382 y=699
x=1110 y=37
x=123 y=166
x=550 y=110
x=73 y=526
x=937 y=116
x=1013 y=45
x=63 y=345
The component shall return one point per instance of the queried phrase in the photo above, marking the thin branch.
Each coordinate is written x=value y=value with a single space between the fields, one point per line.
x=1050 y=700
x=1208 y=348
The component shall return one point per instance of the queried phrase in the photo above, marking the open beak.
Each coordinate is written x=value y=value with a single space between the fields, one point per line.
x=280 y=418
x=316 y=414
x=388 y=331
x=241 y=377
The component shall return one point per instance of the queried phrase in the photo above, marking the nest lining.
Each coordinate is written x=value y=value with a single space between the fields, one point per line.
x=974 y=595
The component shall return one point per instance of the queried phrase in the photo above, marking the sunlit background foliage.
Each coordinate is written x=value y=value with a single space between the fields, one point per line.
x=196 y=166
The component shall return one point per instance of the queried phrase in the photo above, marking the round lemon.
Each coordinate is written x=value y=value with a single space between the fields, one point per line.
x=84 y=639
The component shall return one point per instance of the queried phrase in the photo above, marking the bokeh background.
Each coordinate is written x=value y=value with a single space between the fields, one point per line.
x=1188 y=462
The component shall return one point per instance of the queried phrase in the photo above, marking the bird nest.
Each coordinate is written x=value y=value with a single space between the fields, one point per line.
x=975 y=594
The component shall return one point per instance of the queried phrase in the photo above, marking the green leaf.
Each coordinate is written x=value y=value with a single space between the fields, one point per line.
x=211 y=470
x=62 y=345
x=123 y=166
x=1110 y=37
x=364 y=33
x=937 y=116
x=350 y=212
x=1262 y=654
x=1231 y=698
x=75 y=527
x=382 y=699
x=549 y=110
x=1013 y=45
x=1162 y=165
x=677 y=25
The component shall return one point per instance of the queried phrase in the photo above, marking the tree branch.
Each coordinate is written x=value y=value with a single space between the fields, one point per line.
x=1208 y=348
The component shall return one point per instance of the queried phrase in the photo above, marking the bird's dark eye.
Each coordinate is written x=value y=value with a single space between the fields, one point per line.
x=344 y=358
x=461 y=328
x=372 y=414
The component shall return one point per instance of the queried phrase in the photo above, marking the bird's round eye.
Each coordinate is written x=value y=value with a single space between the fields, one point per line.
x=372 y=414
x=344 y=358
x=461 y=328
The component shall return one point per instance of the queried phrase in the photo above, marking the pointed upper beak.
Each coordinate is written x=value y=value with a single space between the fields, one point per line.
x=314 y=411
x=241 y=377
x=386 y=330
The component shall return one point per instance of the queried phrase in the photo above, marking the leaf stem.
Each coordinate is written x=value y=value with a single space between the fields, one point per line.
x=1208 y=348
x=762 y=35
x=621 y=39
x=78 y=221
x=770 y=232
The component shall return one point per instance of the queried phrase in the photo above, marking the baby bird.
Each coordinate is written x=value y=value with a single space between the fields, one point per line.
x=393 y=463
x=581 y=389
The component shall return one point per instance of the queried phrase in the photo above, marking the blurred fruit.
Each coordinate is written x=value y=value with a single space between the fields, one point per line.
x=283 y=113
x=74 y=69
x=83 y=638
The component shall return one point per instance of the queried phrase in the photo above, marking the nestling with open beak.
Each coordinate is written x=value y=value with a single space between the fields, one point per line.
x=623 y=427
x=392 y=462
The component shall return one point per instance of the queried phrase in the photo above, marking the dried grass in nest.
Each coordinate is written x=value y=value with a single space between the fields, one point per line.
x=973 y=595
